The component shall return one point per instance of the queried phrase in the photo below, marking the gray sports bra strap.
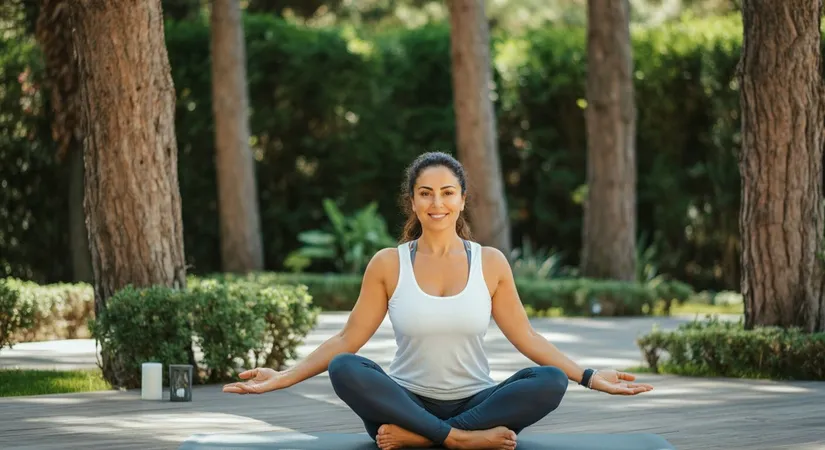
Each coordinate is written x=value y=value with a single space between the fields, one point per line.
x=414 y=247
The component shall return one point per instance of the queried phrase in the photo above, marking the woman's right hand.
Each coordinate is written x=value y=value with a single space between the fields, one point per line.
x=259 y=380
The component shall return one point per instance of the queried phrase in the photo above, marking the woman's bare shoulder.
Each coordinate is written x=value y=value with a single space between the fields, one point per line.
x=495 y=265
x=383 y=268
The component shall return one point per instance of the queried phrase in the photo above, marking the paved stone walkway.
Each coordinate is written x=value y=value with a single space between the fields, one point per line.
x=692 y=413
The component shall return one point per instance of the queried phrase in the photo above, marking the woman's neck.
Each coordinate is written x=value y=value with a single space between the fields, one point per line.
x=440 y=243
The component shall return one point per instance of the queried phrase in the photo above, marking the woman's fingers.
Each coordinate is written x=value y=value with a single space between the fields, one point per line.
x=246 y=374
x=241 y=388
x=625 y=376
x=235 y=388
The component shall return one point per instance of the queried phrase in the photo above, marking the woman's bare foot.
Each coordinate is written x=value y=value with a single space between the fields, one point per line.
x=498 y=438
x=391 y=437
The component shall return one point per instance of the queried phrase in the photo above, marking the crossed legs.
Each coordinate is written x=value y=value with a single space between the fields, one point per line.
x=490 y=419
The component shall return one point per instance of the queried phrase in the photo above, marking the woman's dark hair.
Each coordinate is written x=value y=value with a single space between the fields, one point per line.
x=412 y=228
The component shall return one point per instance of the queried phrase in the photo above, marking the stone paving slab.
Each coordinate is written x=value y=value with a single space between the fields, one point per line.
x=691 y=413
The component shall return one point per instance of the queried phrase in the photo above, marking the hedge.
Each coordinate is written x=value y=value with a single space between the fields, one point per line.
x=573 y=296
x=718 y=348
x=234 y=327
x=30 y=312
x=338 y=116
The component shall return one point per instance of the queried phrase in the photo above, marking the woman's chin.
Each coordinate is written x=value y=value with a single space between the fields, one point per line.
x=439 y=224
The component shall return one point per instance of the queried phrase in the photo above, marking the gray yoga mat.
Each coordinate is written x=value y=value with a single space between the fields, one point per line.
x=361 y=441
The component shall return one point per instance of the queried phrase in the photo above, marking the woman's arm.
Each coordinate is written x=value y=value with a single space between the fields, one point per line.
x=364 y=320
x=511 y=318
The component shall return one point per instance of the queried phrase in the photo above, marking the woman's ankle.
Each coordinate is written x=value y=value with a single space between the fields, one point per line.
x=455 y=438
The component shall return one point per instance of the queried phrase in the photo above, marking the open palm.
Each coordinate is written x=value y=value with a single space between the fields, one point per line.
x=259 y=380
x=618 y=383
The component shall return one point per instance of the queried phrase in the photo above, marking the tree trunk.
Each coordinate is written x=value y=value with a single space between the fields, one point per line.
x=609 y=229
x=132 y=200
x=241 y=247
x=476 y=123
x=781 y=217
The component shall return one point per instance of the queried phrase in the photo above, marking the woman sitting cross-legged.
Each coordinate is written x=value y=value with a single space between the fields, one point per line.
x=440 y=289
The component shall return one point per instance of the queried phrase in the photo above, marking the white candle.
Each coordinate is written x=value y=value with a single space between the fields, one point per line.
x=151 y=387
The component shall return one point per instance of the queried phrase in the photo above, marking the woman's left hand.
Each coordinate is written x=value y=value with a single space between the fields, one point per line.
x=618 y=383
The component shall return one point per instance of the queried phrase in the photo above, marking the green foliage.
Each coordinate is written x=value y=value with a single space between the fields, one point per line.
x=242 y=324
x=140 y=325
x=33 y=207
x=351 y=242
x=59 y=311
x=338 y=116
x=228 y=325
x=537 y=264
x=714 y=347
x=16 y=314
x=328 y=292
x=31 y=312
x=235 y=326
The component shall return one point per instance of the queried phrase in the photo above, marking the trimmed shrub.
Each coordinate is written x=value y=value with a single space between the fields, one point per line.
x=219 y=327
x=55 y=311
x=140 y=325
x=16 y=314
x=714 y=347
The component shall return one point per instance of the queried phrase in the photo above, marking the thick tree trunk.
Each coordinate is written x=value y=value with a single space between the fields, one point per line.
x=609 y=230
x=132 y=200
x=241 y=243
x=476 y=123
x=781 y=219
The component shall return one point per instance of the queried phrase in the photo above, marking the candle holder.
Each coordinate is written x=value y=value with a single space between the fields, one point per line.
x=180 y=382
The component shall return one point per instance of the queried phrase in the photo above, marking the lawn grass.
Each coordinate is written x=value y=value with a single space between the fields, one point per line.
x=15 y=382
x=702 y=309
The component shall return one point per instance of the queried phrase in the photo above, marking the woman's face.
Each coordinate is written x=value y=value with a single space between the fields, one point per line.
x=437 y=198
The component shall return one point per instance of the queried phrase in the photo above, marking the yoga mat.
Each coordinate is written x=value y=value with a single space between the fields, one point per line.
x=361 y=441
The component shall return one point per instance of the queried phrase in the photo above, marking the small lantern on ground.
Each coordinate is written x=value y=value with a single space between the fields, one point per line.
x=180 y=382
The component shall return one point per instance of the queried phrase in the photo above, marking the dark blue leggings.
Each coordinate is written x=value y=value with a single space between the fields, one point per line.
x=516 y=403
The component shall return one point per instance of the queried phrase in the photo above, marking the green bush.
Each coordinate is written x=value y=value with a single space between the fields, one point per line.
x=332 y=115
x=244 y=325
x=713 y=347
x=16 y=314
x=233 y=325
x=55 y=311
x=140 y=325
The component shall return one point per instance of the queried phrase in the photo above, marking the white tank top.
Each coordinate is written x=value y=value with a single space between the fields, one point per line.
x=440 y=339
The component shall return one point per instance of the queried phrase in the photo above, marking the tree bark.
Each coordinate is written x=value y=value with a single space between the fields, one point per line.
x=241 y=242
x=476 y=123
x=781 y=216
x=609 y=229
x=127 y=101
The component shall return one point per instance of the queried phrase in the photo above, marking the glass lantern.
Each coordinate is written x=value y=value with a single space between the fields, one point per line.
x=180 y=382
